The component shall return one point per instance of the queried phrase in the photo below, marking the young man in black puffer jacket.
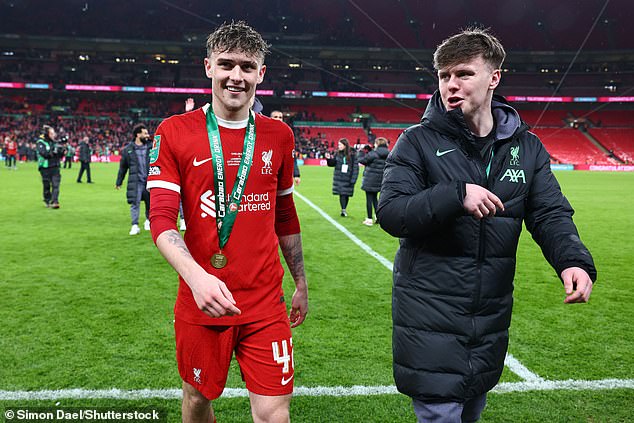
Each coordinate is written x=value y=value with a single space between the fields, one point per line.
x=456 y=190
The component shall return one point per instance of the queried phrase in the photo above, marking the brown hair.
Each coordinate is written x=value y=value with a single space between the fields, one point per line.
x=346 y=151
x=381 y=141
x=467 y=45
x=237 y=36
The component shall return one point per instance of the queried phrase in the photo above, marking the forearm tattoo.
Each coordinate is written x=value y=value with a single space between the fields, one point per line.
x=291 y=246
x=175 y=239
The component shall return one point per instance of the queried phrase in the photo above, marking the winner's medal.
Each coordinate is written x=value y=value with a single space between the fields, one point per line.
x=218 y=260
x=226 y=216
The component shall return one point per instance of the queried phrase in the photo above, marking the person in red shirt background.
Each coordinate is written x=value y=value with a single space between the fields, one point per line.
x=233 y=171
x=11 y=149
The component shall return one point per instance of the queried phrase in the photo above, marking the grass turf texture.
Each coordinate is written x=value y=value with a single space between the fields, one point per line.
x=85 y=305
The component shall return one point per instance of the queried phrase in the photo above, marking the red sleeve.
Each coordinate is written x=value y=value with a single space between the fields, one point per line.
x=285 y=173
x=164 y=171
x=163 y=211
x=286 y=220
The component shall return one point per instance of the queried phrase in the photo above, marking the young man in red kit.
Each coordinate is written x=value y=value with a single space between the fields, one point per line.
x=233 y=170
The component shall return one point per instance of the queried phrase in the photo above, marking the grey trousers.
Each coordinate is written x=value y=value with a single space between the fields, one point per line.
x=135 y=208
x=450 y=412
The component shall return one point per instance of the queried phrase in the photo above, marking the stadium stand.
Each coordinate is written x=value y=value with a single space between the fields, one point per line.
x=569 y=145
x=618 y=140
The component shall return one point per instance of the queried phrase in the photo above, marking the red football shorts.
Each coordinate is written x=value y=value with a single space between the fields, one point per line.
x=264 y=351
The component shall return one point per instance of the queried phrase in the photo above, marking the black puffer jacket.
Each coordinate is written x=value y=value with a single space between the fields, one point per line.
x=343 y=183
x=453 y=274
x=130 y=162
x=374 y=163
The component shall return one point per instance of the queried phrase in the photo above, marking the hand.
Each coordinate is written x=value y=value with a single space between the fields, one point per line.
x=299 y=305
x=189 y=104
x=297 y=180
x=480 y=202
x=117 y=187
x=327 y=155
x=578 y=285
x=212 y=296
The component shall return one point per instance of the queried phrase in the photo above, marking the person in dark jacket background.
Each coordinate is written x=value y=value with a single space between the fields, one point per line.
x=85 y=154
x=456 y=189
x=135 y=158
x=278 y=115
x=49 y=153
x=346 y=172
x=374 y=162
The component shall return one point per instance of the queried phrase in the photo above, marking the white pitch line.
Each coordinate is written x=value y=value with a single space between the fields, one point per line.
x=318 y=391
x=365 y=247
x=519 y=369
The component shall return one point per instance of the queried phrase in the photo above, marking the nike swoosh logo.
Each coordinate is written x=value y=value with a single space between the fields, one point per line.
x=442 y=153
x=285 y=381
x=198 y=163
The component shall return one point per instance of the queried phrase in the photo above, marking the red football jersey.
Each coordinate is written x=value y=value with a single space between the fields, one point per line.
x=181 y=161
x=12 y=148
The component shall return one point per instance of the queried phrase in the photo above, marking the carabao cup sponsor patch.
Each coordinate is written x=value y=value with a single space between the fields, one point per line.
x=156 y=146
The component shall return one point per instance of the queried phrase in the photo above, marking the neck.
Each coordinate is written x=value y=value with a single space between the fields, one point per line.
x=480 y=125
x=233 y=115
x=138 y=142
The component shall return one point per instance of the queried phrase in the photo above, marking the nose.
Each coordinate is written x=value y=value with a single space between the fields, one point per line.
x=236 y=73
x=452 y=84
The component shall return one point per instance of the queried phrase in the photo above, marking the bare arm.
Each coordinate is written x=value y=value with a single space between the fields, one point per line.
x=291 y=246
x=211 y=294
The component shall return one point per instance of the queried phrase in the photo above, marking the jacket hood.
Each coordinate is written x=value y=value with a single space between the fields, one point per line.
x=382 y=151
x=453 y=124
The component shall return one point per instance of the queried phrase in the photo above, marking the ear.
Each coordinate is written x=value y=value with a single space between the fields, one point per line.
x=261 y=74
x=495 y=79
x=208 y=70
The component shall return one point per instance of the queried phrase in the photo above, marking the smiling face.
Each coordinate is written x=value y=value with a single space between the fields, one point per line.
x=234 y=76
x=469 y=86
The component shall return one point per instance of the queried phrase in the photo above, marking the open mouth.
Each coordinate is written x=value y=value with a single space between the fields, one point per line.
x=454 y=101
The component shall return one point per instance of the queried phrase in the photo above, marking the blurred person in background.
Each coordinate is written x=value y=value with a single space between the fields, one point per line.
x=278 y=115
x=11 y=152
x=69 y=155
x=135 y=159
x=374 y=162
x=85 y=156
x=456 y=189
x=49 y=153
x=345 y=174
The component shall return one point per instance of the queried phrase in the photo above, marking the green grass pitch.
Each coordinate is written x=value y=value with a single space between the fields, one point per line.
x=84 y=305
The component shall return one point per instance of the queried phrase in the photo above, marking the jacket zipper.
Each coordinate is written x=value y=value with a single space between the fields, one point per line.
x=484 y=174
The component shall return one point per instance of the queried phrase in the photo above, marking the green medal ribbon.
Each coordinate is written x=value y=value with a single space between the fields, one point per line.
x=226 y=216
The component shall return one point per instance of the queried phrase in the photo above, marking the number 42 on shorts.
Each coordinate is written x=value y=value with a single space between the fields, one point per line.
x=281 y=356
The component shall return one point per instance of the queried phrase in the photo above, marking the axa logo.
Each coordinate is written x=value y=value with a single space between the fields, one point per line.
x=208 y=204
x=197 y=375
x=515 y=156
x=514 y=175
x=267 y=158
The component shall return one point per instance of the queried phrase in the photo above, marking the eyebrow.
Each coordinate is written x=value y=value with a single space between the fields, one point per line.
x=221 y=59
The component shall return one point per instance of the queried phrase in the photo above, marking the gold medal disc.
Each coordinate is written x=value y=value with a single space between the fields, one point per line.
x=218 y=260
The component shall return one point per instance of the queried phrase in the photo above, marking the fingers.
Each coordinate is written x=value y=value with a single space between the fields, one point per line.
x=577 y=284
x=481 y=202
x=581 y=294
x=296 y=317
x=220 y=302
